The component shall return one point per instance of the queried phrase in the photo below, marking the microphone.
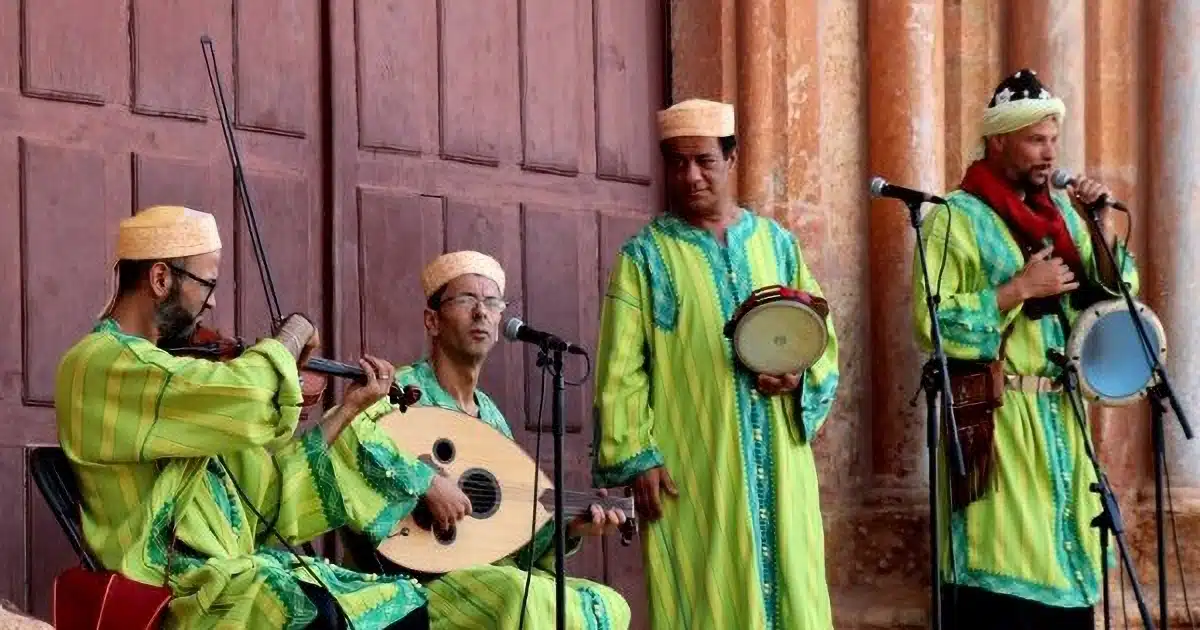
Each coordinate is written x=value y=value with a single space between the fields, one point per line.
x=517 y=330
x=881 y=188
x=1061 y=178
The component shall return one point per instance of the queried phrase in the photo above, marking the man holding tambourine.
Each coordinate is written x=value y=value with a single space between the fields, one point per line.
x=1014 y=263
x=717 y=364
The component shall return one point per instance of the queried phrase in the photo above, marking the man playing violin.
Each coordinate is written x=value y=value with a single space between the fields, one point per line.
x=465 y=298
x=1014 y=260
x=720 y=458
x=188 y=467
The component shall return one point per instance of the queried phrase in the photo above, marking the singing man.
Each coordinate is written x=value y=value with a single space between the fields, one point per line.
x=720 y=459
x=1014 y=258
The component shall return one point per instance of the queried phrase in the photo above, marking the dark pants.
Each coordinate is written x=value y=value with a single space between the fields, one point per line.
x=329 y=616
x=966 y=608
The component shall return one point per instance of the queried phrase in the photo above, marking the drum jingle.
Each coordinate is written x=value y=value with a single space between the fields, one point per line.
x=1106 y=351
x=779 y=330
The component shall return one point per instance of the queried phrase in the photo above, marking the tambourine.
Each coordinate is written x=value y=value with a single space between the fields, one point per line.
x=1106 y=351
x=779 y=330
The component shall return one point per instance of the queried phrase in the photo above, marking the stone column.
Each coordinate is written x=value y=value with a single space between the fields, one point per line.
x=1049 y=37
x=1174 y=226
x=761 y=106
x=906 y=146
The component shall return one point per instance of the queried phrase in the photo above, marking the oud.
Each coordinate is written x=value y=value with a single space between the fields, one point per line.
x=496 y=474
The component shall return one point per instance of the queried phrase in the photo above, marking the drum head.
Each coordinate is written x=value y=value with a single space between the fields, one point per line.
x=1107 y=352
x=780 y=337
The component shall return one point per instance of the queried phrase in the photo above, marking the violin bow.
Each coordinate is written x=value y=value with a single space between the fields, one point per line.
x=239 y=181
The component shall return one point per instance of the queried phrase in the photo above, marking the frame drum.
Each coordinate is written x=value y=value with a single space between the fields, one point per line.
x=779 y=330
x=1106 y=352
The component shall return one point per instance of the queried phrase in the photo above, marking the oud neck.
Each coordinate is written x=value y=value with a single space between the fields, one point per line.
x=579 y=503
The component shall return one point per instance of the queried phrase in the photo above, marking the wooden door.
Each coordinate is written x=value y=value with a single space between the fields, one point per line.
x=105 y=107
x=521 y=128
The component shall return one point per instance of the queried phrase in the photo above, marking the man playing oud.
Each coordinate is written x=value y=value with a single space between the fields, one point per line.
x=1014 y=262
x=719 y=458
x=465 y=299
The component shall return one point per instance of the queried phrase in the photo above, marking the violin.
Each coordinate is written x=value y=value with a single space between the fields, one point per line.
x=207 y=342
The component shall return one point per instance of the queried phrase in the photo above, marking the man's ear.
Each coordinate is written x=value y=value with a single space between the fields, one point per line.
x=160 y=279
x=431 y=322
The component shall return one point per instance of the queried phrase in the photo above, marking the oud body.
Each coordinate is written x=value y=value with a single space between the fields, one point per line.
x=495 y=473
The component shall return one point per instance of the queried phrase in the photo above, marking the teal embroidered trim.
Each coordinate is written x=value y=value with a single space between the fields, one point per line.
x=595 y=613
x=970 y=327
x=321 y=469
x=389 y=474
x=623 y=473
x=217 y=484
x=644 y=251
x=999 y=254
x=816 y=401
x=732 y=278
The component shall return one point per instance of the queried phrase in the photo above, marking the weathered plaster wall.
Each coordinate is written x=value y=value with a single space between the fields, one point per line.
x=831 y=92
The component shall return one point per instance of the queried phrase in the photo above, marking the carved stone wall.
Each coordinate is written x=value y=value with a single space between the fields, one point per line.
x=831 y=92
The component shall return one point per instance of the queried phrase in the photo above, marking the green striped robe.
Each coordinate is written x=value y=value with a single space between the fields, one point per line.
x=1030 y=536
x=152 y=436
x=489 y=596
x=742 y=546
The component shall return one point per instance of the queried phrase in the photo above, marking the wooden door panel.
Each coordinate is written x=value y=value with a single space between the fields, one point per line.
x=65 y=248
x=398 y=235
x=169 y=78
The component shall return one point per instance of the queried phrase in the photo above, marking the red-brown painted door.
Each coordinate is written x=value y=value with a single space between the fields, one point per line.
x=105 y=107
x=520 y=128
x=375 y=133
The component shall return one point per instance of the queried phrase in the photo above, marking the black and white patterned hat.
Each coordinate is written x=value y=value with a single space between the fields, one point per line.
x=1019 y=101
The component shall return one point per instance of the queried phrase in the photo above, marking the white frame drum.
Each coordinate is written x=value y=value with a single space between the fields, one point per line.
x=774 y=337
x=1106 y=352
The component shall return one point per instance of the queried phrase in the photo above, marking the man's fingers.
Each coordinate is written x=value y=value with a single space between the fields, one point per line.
x=1044 y=253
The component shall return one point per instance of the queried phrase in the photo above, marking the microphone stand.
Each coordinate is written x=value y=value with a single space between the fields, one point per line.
x=1109 y=519
x=935 y=380
x=1160 y=391
x=551 y=354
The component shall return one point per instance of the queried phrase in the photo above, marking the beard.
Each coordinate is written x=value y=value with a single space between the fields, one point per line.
x=174 y=323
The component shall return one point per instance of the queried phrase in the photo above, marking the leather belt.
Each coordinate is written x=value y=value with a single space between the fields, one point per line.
x=1032 y=384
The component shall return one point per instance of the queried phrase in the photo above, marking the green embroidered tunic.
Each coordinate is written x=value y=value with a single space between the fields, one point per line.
x=742 y=546
x=155 y=438
x=489 y=596
x=1030 y=536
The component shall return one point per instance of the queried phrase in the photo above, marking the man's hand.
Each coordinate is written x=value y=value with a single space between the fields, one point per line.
x=359 y=396
x=446 y=502
x=1087 y=190
x=299 y=336
x=772 y=385
x=646 y=492
x=598 y=522
x=1042 y=276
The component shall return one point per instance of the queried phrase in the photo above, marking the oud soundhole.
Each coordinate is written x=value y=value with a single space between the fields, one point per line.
x=443 y=451
x=484 y=491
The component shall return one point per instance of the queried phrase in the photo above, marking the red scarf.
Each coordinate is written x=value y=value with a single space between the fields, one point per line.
x=1031 y=221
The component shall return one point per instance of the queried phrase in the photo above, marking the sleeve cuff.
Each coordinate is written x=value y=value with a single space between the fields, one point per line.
x=624 y=472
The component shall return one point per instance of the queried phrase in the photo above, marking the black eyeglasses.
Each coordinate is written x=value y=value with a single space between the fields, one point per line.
x=211 y=284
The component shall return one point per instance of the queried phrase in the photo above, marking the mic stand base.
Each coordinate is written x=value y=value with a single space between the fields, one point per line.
x=935 y=380
x=1109 y=520
x=1158 y=440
